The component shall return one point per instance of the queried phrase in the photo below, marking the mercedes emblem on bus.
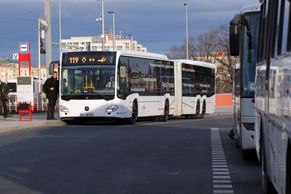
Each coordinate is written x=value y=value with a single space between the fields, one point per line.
x=86 y=108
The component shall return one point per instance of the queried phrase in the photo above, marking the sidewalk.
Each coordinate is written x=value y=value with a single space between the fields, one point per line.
x=224 y=110
x=12 y=123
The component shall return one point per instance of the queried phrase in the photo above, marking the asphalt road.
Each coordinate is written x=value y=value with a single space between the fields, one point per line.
x=175 y=157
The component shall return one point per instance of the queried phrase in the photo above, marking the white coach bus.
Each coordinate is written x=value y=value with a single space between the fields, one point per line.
x=244 y=31
x=129 y=85
x=273 y=96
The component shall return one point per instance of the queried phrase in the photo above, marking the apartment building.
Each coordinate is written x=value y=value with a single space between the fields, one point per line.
x=94 y=43
x=10 y=71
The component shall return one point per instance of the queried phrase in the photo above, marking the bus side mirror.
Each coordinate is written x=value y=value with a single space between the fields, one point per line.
x=234 y=36
x=121 y=94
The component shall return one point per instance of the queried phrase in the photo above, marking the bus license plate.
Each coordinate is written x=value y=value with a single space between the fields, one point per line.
x=86 y=114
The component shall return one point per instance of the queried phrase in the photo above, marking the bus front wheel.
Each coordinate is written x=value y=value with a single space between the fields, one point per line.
x=134 y=113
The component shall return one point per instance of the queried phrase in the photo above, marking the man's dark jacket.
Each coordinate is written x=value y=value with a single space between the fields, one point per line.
x=51 y=83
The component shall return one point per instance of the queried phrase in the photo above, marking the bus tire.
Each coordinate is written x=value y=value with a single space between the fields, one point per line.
x=134 y=113
x=267 y=185
x=165 y=117
x=197 y=114
x=72 y=121
x=244 y=153
x=203 y=110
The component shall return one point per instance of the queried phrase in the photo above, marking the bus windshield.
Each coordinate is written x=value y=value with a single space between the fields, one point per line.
x=249 y=47
x=87 y=75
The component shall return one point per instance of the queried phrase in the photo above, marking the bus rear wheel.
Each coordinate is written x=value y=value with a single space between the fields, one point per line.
x=203 y=109
x=165 y=117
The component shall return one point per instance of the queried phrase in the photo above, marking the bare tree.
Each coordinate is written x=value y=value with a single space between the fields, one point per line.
x=226 y=63
x=213 y=47
x=179 y=52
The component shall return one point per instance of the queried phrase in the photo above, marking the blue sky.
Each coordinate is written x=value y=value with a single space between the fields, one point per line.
x=157 y=24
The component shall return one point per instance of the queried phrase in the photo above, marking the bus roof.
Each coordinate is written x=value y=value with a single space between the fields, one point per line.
x=197 y=63
x=129 y=53
x=250 y=8
x=141 y=54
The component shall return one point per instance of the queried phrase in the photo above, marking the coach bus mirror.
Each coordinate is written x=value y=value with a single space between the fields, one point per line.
x=234 y=36
x=122 y=70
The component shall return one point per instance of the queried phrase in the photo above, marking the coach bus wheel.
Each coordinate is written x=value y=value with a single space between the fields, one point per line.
x=244 y=153
x=267 y=185
x=165 y=117
x=134 y=113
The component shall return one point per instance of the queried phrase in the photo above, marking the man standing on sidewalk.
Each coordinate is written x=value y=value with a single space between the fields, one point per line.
x=51 y=89
x=4 y=90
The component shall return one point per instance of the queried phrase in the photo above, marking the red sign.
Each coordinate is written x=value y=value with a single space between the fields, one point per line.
x=24 y=56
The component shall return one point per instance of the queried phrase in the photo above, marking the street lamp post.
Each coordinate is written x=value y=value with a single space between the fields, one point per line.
x=102 y=18
x=42 y=27
x=48 y=35
x=113 y=28
x=60 y=28
x=187 y=44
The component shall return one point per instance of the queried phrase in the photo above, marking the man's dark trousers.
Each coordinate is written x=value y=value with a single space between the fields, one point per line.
x=4 y=104
x=51 y=108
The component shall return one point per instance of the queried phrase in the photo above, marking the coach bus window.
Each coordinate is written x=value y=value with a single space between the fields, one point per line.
x=285 y=27
x=250 y=35
x=123 y=79
x=289 y=28
x=189 y=86
x=280 y=27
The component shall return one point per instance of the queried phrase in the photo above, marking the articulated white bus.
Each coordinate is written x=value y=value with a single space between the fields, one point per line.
x=129 y=85
x=194 y=88
x=244 y=30
x=273 y=96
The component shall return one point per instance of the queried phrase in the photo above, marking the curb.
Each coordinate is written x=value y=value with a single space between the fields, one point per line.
x=32 y=125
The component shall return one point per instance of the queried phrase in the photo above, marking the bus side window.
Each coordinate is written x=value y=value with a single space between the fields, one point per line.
x=122 y=82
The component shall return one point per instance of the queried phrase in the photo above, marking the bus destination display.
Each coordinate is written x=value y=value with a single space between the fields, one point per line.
x=85 y=58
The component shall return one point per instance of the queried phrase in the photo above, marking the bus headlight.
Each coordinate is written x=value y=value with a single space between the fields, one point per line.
x=64 y=109
x=112 y=108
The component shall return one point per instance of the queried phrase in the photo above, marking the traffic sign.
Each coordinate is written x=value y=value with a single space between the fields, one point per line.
x=15 y=56
x=24 y=47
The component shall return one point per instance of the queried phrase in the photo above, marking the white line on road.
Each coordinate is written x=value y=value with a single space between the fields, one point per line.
x=220 y=172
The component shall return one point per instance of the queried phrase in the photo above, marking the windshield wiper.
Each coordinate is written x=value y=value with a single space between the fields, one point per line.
x=87 y=96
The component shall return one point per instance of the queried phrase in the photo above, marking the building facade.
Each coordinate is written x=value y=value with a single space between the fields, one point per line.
x=94 y=43
x=10 y=71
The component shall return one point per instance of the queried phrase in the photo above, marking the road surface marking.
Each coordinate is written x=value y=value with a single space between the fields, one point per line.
x=220 y=172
